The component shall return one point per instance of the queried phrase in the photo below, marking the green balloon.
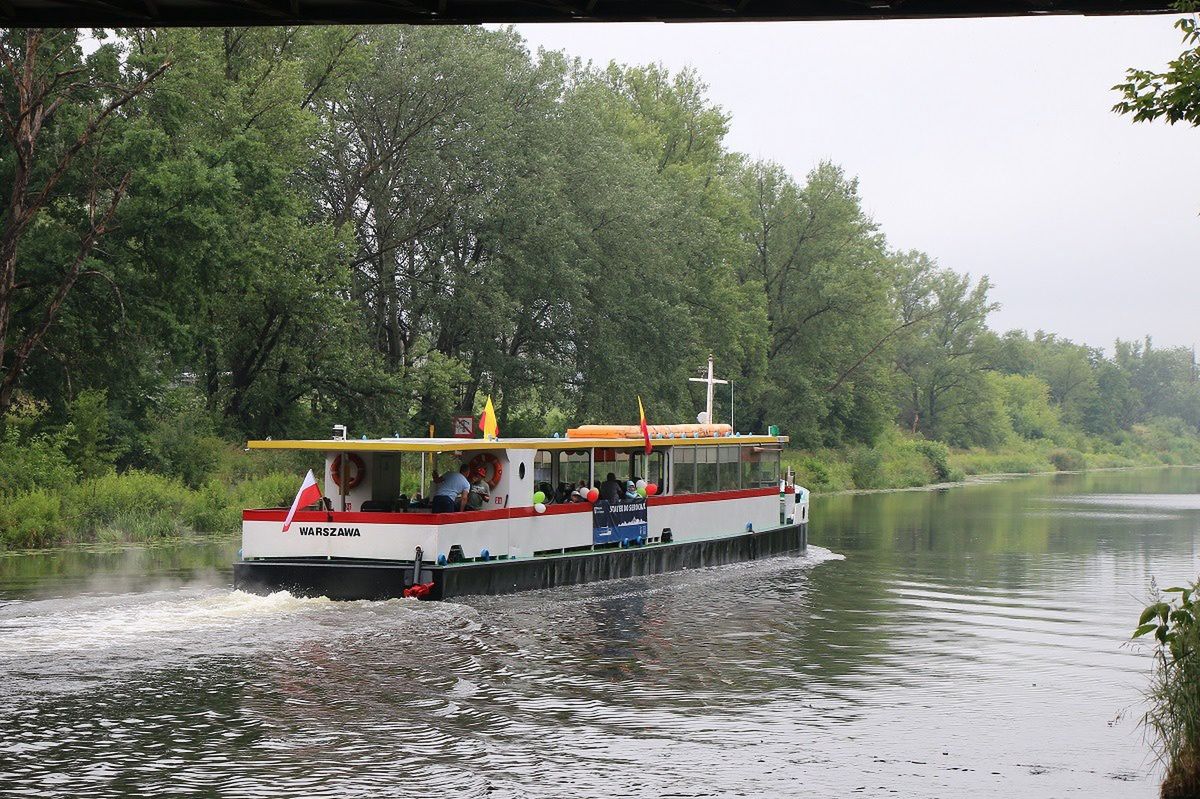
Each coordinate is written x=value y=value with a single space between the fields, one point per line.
x=538 y=497
x=641 y=492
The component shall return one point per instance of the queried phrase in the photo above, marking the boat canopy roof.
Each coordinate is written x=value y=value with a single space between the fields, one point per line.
x=473 y=444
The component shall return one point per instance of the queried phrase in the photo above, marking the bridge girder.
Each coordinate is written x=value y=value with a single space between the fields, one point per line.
x=221 y=13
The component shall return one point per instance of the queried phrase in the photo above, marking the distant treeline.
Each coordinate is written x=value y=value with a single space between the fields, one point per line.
x=231 y=233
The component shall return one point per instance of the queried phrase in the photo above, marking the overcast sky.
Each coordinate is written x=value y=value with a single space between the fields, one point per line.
x=989 y=144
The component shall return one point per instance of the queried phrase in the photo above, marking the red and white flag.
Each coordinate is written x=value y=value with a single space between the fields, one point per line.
x=308 y=494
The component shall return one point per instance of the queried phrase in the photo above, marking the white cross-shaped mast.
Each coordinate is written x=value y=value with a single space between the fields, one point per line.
x=712 y=381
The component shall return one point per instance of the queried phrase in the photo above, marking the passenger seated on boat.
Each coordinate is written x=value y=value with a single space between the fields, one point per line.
x=631 y=490
x=610 y=489
x=450 y=491
x=480 y=494
x=578 y=493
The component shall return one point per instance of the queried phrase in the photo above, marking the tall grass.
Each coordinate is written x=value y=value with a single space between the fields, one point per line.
x=1173 y=719
x=135 y=506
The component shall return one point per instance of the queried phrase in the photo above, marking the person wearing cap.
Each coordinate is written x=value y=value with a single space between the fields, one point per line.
x=631 y=490
x=480 y=493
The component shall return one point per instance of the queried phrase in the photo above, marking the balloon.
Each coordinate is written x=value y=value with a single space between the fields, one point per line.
x=641 y=484
x=651 y=489
x=641 y=492
x=593 y=494
x=539 y=497
x=540 y=507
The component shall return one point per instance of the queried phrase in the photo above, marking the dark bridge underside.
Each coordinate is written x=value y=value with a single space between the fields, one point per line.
x=153 y=13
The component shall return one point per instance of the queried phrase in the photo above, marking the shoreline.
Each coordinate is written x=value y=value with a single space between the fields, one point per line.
x=996 y=477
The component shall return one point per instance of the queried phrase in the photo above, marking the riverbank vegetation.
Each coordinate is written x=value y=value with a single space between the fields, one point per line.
x=1173 y=718
x=213 y=235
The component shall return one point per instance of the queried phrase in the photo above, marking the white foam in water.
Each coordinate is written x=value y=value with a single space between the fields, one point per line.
x=113 y=622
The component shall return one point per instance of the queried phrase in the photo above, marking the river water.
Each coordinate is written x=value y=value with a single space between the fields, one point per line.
x=961 y=642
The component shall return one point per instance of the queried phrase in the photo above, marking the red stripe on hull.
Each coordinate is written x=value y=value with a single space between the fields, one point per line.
x=278 y=514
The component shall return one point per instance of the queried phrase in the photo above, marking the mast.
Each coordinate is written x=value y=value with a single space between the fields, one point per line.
x=711 y=381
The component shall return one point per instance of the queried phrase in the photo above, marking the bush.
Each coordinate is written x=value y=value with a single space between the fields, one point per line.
x=866 y=467
x=147 y=505
x=91 y=450
x=32 y=519
x=29 y=463
x=182 y=440
x=938 y=455
x=1067 y=460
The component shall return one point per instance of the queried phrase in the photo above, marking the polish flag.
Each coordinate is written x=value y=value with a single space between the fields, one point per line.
x=307 y=495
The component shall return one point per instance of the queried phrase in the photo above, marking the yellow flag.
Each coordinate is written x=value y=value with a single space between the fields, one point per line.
x=487 y=421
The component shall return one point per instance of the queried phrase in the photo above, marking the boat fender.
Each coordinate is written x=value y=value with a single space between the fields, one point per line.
x=749 y=527
x=354 y=477
x=441 y=559
x=624 y=543
x=491 y=465
x=485 y=555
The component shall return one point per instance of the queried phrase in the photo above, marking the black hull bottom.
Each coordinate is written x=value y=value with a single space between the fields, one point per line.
x=350 y=579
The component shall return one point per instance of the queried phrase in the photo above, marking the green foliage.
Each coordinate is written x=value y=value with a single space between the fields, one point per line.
x=866 y=467
x=1067 y=460
x=28 y=460
x=938 y=456
x=181 y=438
x=1173 y=95
x=91 y=449
x=1174 y=695
x=31 y=519
x=134 y=506
x=1028 y=406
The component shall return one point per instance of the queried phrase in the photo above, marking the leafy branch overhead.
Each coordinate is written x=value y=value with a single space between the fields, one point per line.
x=1173 y=94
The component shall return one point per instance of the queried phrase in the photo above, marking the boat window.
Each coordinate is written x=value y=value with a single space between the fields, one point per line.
x=683 y=470
x=573 y=466
x=543 y=473
x=651 y=468
x=706 y=469
x=760 y=468
x=729 y=475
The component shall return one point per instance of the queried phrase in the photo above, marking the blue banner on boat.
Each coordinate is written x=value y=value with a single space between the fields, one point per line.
x=615 y=521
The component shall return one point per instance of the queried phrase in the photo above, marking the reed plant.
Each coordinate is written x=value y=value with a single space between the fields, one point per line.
x=1173 y=718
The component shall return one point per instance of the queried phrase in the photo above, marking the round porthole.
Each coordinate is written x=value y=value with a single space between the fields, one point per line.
x=521 y=471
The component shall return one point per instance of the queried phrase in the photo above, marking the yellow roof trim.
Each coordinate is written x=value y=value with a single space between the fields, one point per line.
x=473 y=444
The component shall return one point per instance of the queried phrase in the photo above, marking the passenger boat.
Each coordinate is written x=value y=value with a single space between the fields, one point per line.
x=711 y=497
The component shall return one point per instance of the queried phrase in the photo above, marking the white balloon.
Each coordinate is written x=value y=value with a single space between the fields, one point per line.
x=641 y=483
x=540 y=507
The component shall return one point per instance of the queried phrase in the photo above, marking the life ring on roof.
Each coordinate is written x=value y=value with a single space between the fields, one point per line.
x=491 y=466
x=354 y=476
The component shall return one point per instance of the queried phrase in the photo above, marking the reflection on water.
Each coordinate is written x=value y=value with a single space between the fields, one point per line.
x=970 y=642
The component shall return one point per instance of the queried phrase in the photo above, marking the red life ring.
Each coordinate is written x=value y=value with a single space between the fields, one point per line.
x=492 y=468
x=354 y=477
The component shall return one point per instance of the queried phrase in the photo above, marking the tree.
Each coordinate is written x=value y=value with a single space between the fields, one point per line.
x=943 y=388
x=55 y=107
x=1173 y=95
